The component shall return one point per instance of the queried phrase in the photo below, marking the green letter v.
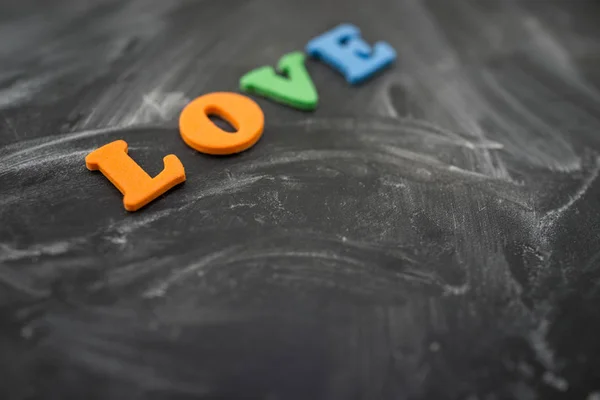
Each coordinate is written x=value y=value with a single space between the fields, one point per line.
x=298 y=91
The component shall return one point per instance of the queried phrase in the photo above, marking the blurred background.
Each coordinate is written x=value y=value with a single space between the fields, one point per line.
x=431 y=234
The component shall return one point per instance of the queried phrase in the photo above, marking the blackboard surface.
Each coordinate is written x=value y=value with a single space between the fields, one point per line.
x=431 y=234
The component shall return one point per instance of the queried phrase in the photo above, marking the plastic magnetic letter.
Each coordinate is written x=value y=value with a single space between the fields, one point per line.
x=298 y=91
x=200 y=133
x=137 y=186
x=343 y=48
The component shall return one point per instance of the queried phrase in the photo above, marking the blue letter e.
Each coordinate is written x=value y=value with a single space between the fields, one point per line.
x=343 y=49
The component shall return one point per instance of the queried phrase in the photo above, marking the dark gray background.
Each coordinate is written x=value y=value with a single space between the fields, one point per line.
x=431 y=234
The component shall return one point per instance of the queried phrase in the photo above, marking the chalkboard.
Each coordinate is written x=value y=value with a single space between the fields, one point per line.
x=429 y=234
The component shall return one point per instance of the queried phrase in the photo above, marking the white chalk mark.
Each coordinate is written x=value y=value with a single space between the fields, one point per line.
x=10 y=253
x=161 y=288
x=20 y=284
x=157 y=106
x=552 y=216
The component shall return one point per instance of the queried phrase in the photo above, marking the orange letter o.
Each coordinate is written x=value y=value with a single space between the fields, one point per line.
x=200 y=133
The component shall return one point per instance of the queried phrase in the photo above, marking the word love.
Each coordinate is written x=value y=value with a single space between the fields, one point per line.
x=342 y=48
